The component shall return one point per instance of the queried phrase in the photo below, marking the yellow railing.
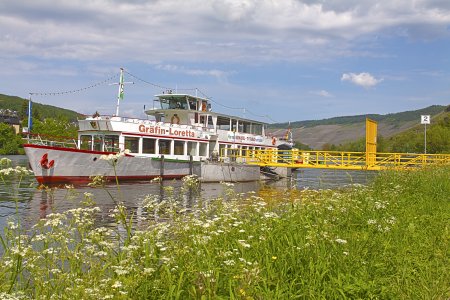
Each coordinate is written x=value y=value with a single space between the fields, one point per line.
x=335 y=160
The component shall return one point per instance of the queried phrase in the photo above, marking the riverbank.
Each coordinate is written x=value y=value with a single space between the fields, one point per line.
x=389 y=240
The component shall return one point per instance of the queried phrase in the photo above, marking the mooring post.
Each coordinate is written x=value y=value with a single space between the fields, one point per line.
x=161 y=167
x=191 y=167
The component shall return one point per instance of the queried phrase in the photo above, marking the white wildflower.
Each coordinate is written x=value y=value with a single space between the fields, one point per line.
x=244 y=244
x=340 y=241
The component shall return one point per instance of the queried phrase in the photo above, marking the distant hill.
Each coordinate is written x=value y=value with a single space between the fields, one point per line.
x=338 y=130
x=41 y=110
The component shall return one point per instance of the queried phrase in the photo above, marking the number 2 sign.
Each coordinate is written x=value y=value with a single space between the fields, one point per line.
x=425 y=119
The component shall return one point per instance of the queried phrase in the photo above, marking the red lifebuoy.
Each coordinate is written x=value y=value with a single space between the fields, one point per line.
x=274 y=141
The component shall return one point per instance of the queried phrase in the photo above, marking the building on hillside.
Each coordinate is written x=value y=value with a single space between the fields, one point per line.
x=10 y=117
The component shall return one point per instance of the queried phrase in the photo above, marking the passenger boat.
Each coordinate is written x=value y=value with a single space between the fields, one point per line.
x=182 y=135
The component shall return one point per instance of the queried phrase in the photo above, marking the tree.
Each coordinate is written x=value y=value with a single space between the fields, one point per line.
x=9 y=141
x=55 y=128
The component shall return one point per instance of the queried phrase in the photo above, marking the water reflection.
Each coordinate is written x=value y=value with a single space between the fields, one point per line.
x=33 y=204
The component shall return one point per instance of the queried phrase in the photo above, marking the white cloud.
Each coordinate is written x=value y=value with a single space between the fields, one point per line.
x=238 y=31
x=364 y=79
x=321 y=93
x=196 y=72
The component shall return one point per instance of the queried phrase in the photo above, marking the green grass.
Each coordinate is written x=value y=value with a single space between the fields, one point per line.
x=386 y=241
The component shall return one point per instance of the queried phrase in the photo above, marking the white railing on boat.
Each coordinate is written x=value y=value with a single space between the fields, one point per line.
x=38 y=140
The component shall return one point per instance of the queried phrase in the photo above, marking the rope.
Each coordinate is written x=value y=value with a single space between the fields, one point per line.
x=152 y=84
x=74 y=91
x=237 y=108
x=147 y=82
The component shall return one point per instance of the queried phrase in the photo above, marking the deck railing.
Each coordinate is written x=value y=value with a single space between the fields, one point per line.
x=43 y=140
x=337 y=160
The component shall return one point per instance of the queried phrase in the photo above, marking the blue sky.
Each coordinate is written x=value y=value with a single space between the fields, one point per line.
x=283 y=60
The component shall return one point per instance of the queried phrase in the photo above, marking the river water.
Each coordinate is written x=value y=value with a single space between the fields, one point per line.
x=30 y=203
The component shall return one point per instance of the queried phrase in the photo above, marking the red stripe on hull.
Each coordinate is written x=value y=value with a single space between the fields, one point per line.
x=84 y=179
x=67 y=149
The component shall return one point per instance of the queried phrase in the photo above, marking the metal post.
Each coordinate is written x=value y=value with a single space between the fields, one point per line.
x=425 y=144
x=161 y=167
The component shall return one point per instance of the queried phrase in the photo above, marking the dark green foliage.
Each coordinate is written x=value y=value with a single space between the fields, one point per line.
x=40 y=111
x=9 y=141
x=55 y=128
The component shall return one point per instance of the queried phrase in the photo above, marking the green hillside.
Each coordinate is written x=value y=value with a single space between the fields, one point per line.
x=347 y=120
x=40 y=111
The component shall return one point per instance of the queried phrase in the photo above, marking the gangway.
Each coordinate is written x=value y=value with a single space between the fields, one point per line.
x=369 y=160
x=339 y=160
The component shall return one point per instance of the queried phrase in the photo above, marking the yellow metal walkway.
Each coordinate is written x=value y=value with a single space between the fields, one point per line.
x=338 y=160
x=369 y=160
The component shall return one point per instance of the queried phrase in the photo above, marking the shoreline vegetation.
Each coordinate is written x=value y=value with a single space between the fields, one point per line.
x=389 y=240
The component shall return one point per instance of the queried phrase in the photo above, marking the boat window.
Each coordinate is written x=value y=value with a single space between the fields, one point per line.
x=210 y=122
x=178 y=148
x=148 y=146
x=177 y=104
x=86 y=142
x=244 y=127
x=222 y=150
x=257 y=129
x=98 y=143
x=232 y=153
x=203 y=149
x=132 y=144
x=192 y=104
x=241 y=126
x=244 y=151
x=165 y=103
x=111 y=143
x=203 y=120
x=233 y=125
x=192 y=148
x=164 y=146
x=223 y=123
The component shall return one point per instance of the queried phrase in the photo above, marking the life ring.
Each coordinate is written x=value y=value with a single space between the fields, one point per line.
x=175 y=119
x=274 y=141
x=203 y=106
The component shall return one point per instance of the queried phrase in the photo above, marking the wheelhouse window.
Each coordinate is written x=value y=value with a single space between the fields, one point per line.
x=111 y=143
x=132 y=144
x=164 y=146
x=98 y=143
x=86 y=142
x=148 y=146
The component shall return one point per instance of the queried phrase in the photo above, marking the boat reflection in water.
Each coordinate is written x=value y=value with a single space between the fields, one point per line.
x=34 y=204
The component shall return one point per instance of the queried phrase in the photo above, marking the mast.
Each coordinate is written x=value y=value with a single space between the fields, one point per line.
x=120 y=94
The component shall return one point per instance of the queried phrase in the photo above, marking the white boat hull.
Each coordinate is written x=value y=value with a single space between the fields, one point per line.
x=78 y=166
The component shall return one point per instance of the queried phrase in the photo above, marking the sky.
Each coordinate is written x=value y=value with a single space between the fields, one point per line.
x=269 y=60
